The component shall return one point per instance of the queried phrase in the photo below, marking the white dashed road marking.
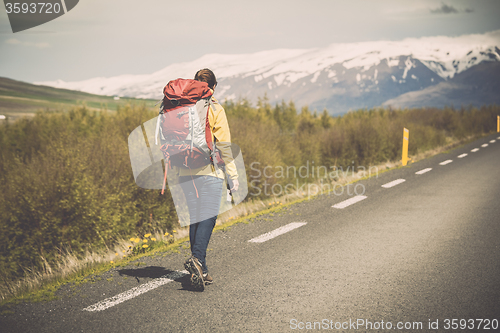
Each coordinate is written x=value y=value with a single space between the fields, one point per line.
x=349 y=202
x=280 y=231
x=394 y=183
x=134 y=292
x=421 y=172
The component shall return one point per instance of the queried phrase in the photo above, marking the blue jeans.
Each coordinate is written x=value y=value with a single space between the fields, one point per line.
x=203 y=196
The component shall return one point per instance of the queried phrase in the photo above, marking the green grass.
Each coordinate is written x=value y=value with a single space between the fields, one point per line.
x=89 y=274
x=19 y=99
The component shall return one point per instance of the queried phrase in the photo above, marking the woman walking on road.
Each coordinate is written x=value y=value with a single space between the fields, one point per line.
x=203 y=188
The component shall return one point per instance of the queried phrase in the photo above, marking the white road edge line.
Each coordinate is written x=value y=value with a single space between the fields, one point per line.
x=474 y=150
x=349 y=202
x=493 y=141
x=280 y=231
x=134 y=292
x=394 y=183
x=485 y=145
x=463 y=155
x=421 y=172
x=446 y=162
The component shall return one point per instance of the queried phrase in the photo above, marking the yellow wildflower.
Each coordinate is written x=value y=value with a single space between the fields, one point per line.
x=171 y=235
x=112 y=262
x=166 y=234
x=132 y=239
x=116 y=253
x=174 y=231
x=144 y=246
x=153 y=239
x=145 y=240
x=147 y=235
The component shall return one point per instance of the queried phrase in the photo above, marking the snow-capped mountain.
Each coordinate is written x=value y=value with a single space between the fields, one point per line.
x=338 y=77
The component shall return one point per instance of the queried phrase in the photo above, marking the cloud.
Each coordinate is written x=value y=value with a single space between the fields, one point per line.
x=39 y=45
x=14 y=41
x=444 y=9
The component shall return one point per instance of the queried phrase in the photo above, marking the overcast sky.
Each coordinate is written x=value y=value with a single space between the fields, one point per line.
x=113 y=37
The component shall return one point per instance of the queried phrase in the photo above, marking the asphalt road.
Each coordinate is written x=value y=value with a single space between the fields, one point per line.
x=418 y=255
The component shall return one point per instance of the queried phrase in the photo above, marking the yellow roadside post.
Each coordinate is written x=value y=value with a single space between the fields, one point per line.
x=498 y=123
x=406 y=135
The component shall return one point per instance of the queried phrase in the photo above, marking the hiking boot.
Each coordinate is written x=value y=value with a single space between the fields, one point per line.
x=193 y=266
x=207 y=278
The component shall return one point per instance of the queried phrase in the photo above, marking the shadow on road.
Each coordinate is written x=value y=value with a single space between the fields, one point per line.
x=154 y=272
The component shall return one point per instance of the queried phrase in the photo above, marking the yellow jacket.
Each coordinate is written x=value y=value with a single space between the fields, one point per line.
x=220 y=130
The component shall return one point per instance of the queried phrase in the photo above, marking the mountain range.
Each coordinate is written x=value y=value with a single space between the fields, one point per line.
x=429 y=71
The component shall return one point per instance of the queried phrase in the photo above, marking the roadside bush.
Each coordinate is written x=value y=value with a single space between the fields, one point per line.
x=67 y=185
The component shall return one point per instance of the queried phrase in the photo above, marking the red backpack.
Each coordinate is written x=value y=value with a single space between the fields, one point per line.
x=183 y=126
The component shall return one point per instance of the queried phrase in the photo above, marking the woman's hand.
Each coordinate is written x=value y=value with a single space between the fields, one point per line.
x=236 y=184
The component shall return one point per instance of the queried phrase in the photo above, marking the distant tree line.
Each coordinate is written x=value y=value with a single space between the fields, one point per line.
x=281 y=136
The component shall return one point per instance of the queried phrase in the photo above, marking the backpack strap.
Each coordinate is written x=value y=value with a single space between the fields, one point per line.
x=167 y=166
x=160 y=114
x=157 y=131
x=214 y=157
